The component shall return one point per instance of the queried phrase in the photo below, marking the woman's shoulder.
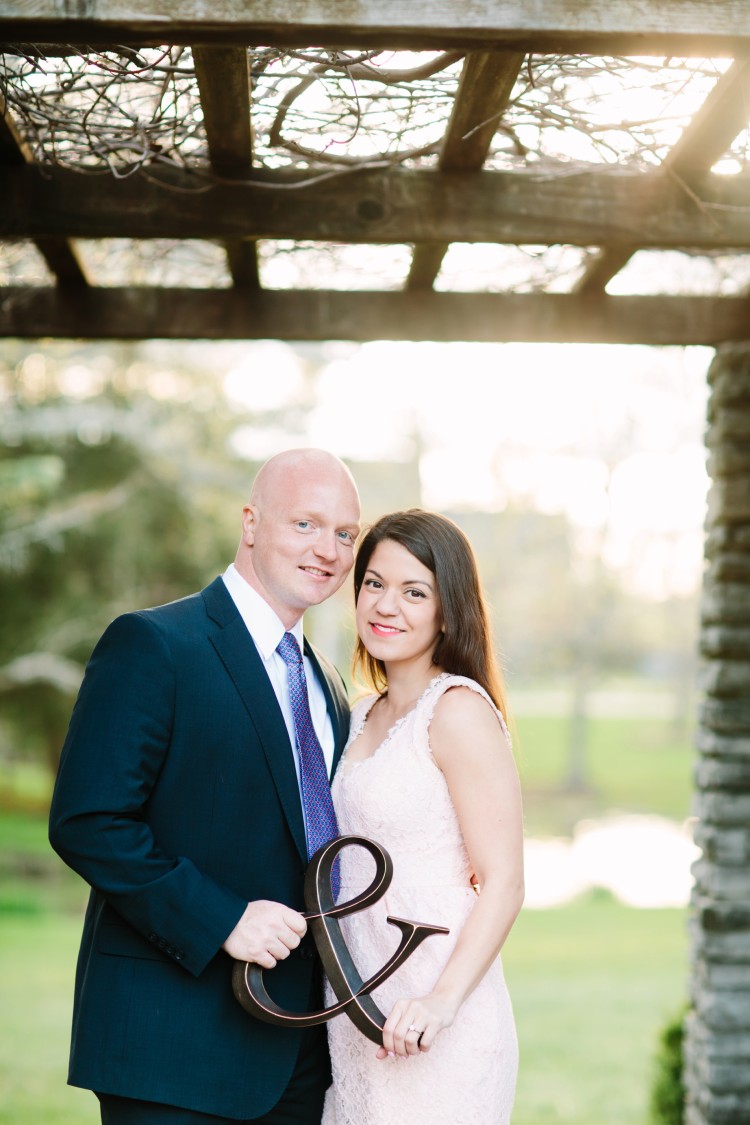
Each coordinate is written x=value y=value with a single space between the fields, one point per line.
x=459 y=701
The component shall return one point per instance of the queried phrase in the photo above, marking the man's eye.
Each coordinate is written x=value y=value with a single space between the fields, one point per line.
x=346 y=536
x=303 y=524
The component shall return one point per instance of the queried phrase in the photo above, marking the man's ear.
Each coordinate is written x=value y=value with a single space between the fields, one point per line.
x=249 y=524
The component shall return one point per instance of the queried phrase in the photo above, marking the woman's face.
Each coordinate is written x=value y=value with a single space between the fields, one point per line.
x=398 y=609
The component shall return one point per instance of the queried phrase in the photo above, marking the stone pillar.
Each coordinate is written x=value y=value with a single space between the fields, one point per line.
x=717 y=1041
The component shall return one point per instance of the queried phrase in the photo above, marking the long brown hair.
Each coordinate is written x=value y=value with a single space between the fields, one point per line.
x=465 y=646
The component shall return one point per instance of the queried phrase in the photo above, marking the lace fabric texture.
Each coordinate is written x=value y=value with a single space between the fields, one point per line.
x=399 y=798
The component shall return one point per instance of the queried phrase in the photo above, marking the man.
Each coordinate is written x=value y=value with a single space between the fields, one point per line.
x=179 y=801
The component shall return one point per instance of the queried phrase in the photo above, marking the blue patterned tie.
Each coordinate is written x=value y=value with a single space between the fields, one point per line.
x=320 y=818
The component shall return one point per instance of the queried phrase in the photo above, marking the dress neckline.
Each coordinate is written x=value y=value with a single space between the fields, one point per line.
x=393 y=729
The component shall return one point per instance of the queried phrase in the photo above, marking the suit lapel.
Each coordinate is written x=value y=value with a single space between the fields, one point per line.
x=240 y=657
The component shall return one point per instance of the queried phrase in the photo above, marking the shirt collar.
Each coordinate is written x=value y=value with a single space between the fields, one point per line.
x=263 y=624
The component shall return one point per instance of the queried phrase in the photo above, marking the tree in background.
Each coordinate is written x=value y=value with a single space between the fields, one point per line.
x=114 y=479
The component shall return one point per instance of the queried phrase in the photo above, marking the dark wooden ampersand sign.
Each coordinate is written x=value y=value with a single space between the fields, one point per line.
x=323 y=920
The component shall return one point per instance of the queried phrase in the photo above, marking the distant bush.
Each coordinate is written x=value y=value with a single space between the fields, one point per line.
x=668 y=1091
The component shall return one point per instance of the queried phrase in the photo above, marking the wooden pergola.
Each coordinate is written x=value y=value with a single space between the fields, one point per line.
x=675 y=204
x=454 y=191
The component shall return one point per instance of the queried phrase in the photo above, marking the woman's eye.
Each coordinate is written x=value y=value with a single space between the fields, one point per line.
x=372 y=583
x=415 y=593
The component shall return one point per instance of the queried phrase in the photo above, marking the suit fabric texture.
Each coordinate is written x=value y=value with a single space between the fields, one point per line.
x=177 y=801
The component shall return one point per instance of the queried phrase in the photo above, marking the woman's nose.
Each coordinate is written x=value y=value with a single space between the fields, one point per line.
x=388 y=602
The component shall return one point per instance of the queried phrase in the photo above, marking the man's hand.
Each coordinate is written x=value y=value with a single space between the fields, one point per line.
x=266 y=933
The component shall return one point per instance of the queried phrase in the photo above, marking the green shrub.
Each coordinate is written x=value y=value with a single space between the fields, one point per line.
x=668 y=1091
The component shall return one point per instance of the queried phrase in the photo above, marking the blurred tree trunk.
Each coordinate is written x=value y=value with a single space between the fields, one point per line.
x=577 y=758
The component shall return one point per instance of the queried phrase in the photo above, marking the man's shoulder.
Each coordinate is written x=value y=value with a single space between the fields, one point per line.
x=192 y=610
x=213 y=599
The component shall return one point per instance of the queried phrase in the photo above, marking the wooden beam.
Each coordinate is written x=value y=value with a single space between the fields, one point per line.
x=609 y=206
x=230 y=314
x=14 y=152
x=692 y=27
x=484 y=89
x=224 y=83
x=426 y=262
x=60 y=256
x=724 y=113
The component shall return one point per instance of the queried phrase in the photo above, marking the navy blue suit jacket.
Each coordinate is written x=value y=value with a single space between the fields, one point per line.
x=177 y=800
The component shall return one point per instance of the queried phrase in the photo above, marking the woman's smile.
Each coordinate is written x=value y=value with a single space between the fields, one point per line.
x=384 y=630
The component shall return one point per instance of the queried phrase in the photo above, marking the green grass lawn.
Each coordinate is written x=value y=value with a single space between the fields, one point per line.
x=592 y=984
x=633 y=765
x=23 y=832
x=38 y=954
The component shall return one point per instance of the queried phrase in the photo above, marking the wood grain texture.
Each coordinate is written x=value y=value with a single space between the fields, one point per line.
x=133 y=314
x=694 y=27
x=224 y=84
x=605 y=207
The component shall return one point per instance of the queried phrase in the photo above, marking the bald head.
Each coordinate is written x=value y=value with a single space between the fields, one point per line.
x=310 y=464
x=299 y=530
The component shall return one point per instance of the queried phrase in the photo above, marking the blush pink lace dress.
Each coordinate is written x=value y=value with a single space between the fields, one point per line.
x=399 y=798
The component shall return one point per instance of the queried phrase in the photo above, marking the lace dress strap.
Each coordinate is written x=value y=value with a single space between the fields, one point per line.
x=360 y=710
x=438 y=688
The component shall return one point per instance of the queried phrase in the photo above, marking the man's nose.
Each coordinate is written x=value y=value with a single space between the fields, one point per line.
x=325 y=544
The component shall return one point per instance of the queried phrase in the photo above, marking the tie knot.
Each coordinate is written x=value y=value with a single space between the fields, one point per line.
x=288 y=649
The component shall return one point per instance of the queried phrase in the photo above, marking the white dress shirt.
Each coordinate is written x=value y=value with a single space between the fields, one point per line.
x=266 y=630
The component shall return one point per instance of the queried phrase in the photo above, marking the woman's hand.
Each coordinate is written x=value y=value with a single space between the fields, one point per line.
x=412 y=1026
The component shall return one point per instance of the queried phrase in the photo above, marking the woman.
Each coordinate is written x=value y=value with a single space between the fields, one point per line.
x=429 y=774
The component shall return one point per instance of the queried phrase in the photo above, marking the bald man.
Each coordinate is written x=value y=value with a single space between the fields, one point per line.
x=178 y=801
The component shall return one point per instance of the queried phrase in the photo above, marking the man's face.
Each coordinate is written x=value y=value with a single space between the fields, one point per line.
x=301 y=536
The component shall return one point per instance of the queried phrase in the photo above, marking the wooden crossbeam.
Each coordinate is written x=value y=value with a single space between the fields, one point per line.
x=681 y=27
x=724 y=113
x=484 y=89
x=608 y=206
x=224 y=84
x=60 y=256
x=233 y=314
x=13 y=148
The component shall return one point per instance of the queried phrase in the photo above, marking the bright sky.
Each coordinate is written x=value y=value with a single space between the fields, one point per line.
x=611 y=436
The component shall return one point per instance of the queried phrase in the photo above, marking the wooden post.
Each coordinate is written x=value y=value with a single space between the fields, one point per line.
x=717 y=1045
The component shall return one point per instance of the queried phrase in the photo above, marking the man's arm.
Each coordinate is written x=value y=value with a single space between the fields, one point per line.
x=118 y=738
